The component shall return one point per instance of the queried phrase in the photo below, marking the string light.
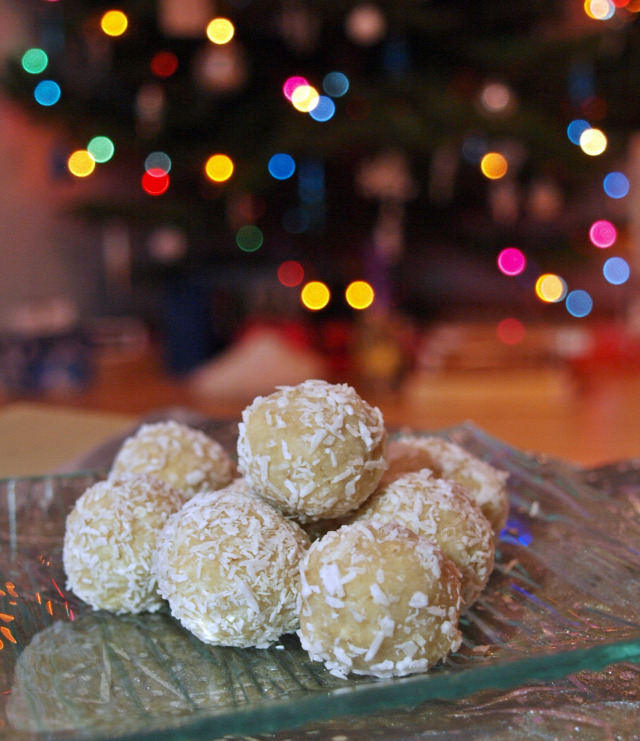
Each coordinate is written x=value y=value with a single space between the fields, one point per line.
x=81 y=163
x=579 y=303
x=616 y=271
x=249 y=238
x=219 y=168
x=593 y=142
x=493 y=165
x=290 y=273
x=114 y=23
x=602 y=234
x=359 y=294
x=550 y=288
x=315 y=295
x=281 y=166
x=220 y=31
x=47 y=92
x=34 y=61
x=305 y=98
x=101 y=149
x=511 y=261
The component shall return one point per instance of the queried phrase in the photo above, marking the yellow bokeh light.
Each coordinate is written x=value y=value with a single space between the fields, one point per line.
x=81 y=163
x=494 y=166
x=305 y=98
x=114 y=23
x=550 y=288
x=599 y=9
x=359 y=294
x=220 y=31
x=593 y=142
x=219 y=168
x=315 y=295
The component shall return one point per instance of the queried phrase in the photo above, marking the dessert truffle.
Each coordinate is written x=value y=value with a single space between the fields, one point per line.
x=442 y=511
x=315 y=450
x=185 y=457
x=109 y=540
x=227 y=563
x=377 y=599
x=485 y=484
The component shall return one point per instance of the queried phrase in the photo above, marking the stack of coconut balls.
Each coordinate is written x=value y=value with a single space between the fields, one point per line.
x=368 y=547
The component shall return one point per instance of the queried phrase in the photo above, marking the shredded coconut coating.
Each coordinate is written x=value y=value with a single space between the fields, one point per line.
x=441 y=510
x=379 y=600
x=315 y=450
x=227 y=563
x=184 y=457
x=109 y=541
x=485 y=483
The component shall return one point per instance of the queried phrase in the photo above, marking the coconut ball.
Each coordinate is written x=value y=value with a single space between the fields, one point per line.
x=378 y=599
x=185 y=457
x=315 y=450
x=441 y=510
x=485 y=484
x=227 y=563
x=110 y=536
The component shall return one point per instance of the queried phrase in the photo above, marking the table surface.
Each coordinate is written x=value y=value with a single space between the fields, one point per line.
x=588 y=420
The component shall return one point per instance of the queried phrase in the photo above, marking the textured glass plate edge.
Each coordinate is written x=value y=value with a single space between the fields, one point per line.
x=372 y=696
x=369 y=698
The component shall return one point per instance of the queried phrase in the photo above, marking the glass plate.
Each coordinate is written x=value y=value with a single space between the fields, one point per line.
x=563 y=598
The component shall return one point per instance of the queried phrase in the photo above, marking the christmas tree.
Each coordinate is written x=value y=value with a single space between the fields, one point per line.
x=340 y=140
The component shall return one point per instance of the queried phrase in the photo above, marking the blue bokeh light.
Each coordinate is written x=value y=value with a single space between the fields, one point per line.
x=47 y=92
x=282 y=166
x=335 y=84
x=616 y=270
x=616 y=185
x=324 y=110
x=575 y=130
x=579 y=303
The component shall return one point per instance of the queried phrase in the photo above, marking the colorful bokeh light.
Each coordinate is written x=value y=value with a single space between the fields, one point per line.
x=616 y=185
x=324 y=109
x=593 y=142
x=335 y=84
x=575 y=130
x=290 y=273
x=114 y=23
x=158 y=163
x=81 y=163
x=219 y=168
x=359 y=294
x=510 y=331
x=291 y=84
x=616 y=271
x=579 y=303
x=34 y=61
x=282 y=166
x=155 y=184
x=494 y=165
x=599 y=10
x=602 y=234
x=101 y=148
x=47 y=92
x=164 y=64
x=512 y=261
x=315 y=295
x=550 y=288
x=220 y=31
x=249 y=238
x=305 y=98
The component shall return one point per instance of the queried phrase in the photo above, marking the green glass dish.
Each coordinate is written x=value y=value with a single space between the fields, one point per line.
x=563 y=598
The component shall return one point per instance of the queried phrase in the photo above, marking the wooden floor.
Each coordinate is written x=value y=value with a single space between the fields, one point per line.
x=592 y=420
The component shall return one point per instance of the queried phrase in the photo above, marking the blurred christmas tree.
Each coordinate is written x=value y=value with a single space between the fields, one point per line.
x=370 y=168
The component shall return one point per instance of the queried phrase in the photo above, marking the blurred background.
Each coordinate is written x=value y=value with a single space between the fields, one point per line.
x=409 y=196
